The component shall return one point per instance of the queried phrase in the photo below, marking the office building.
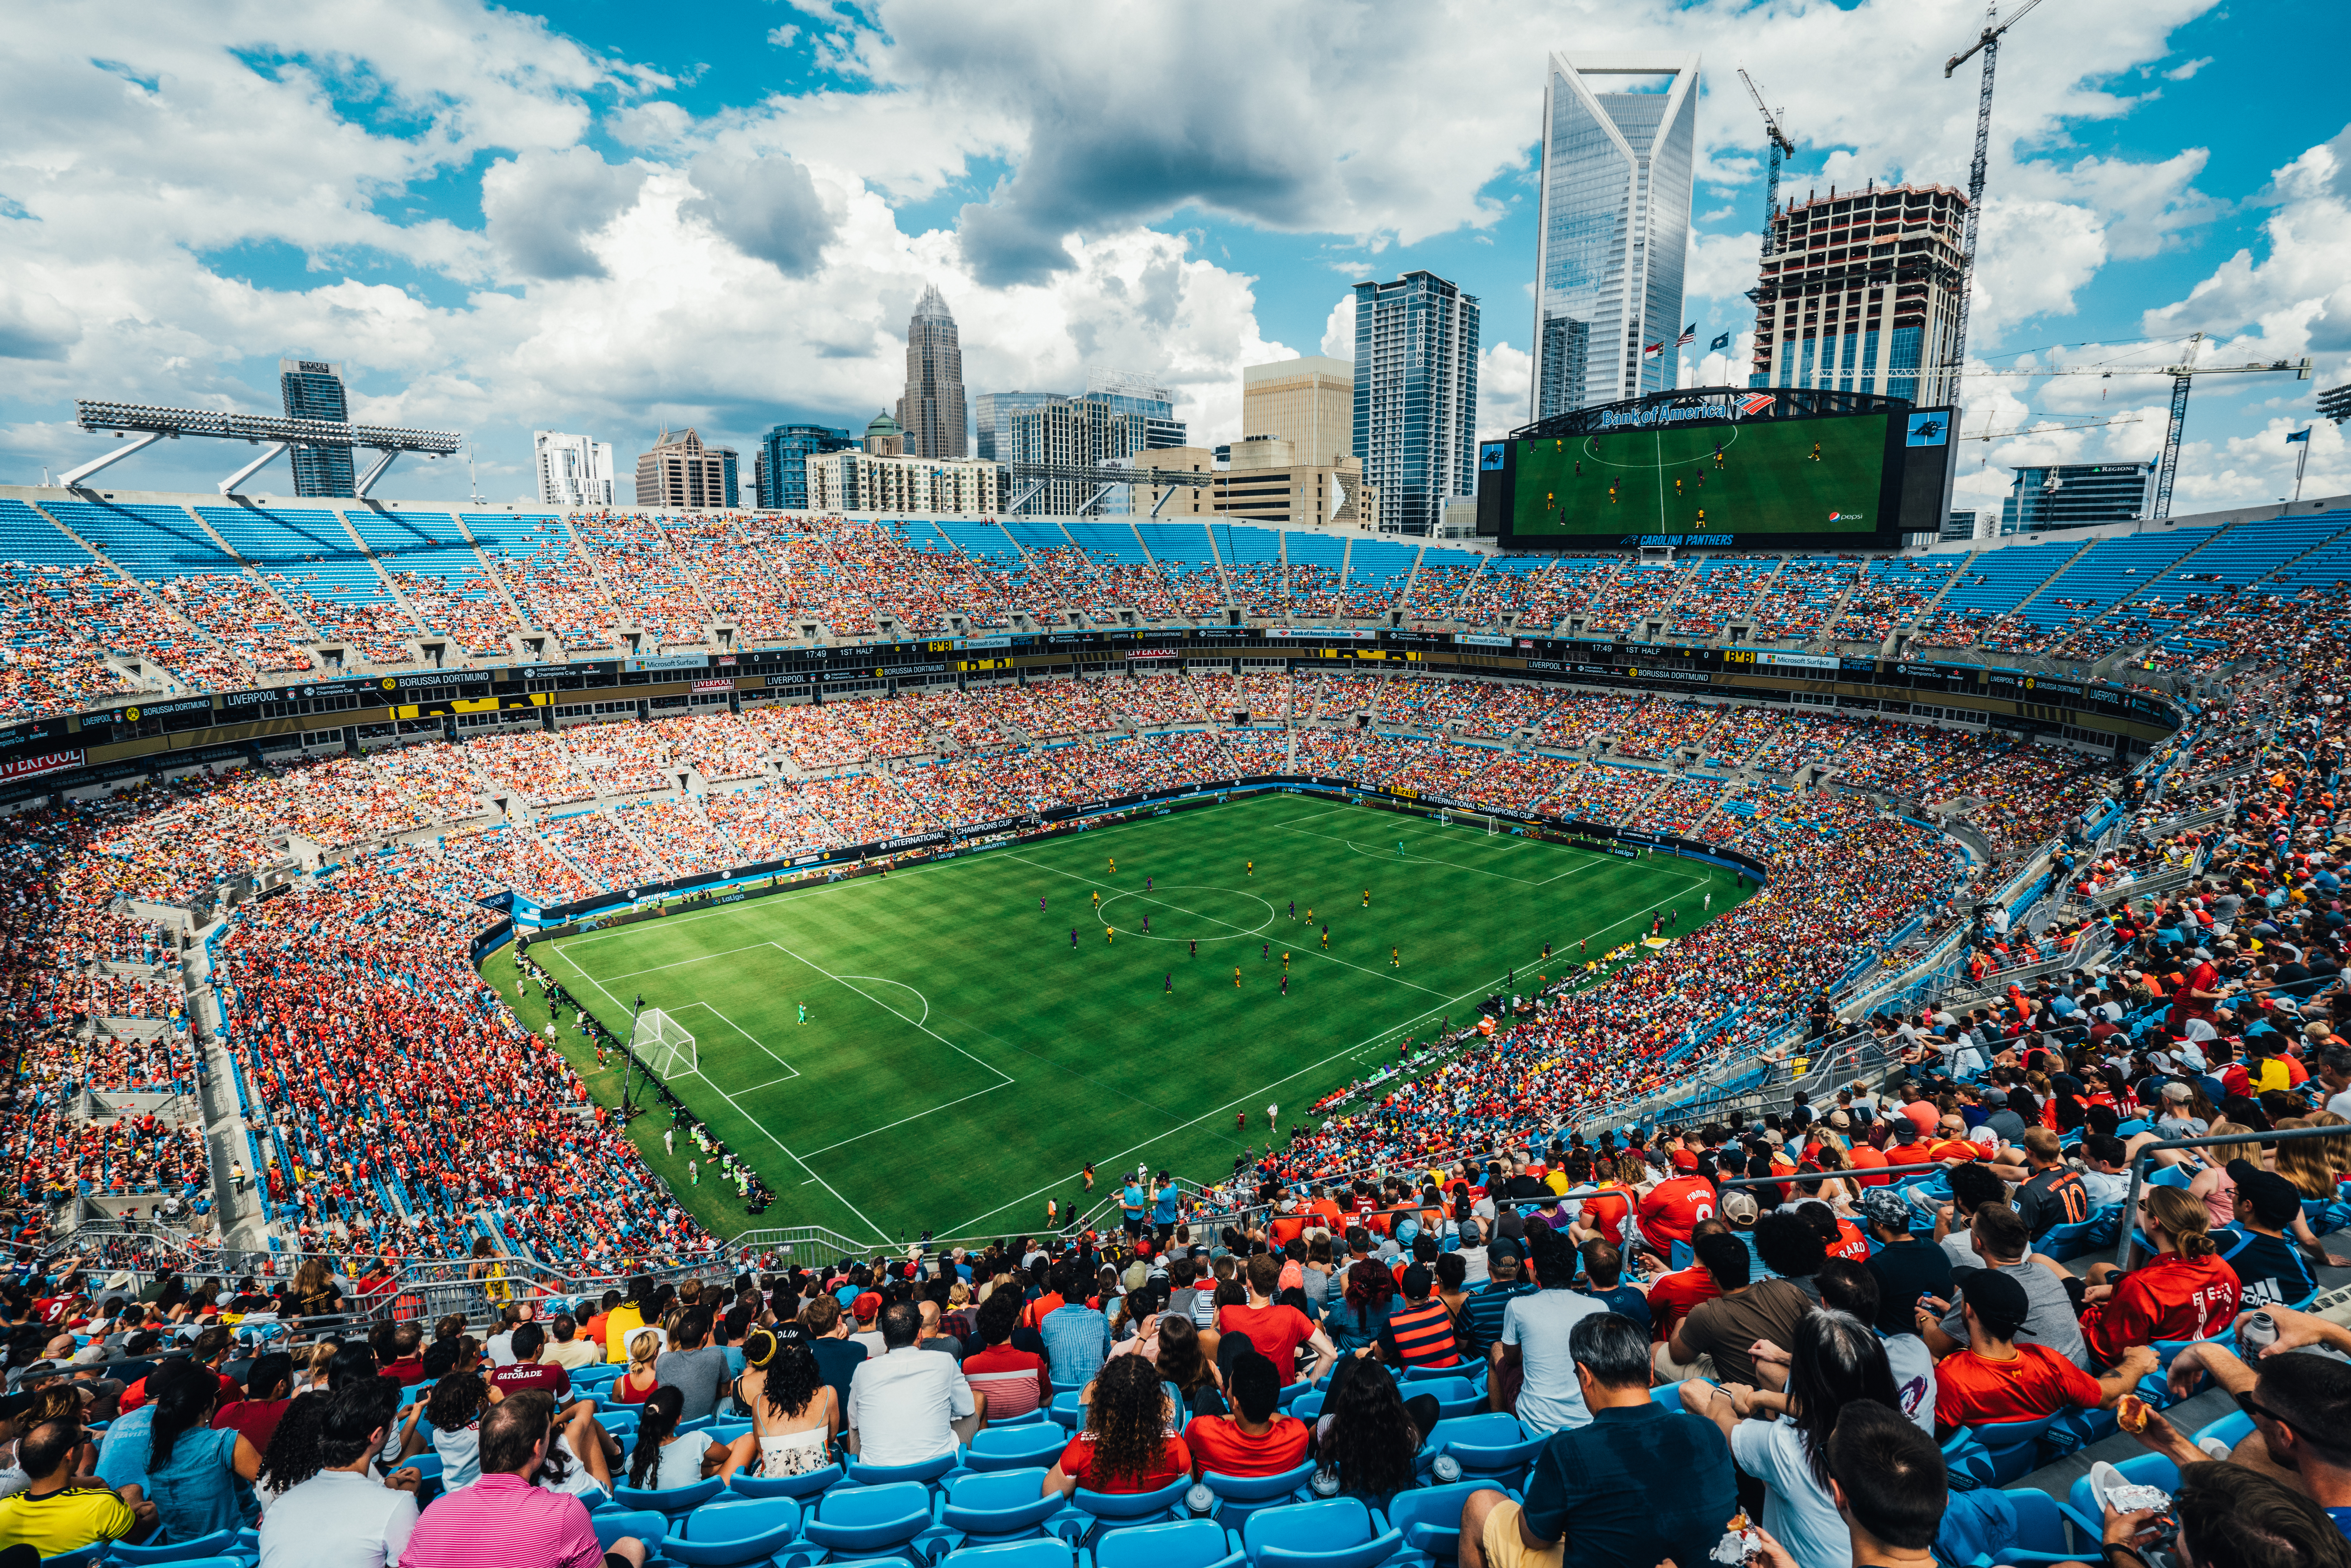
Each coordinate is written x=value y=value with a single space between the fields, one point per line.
x=879 y=476
x=1969 y=525
x=313 y=389
x=731 y=486
x=2075 y=496
x=1265 y=482
x=1146 y=403
x=1415 y=397
x=992 y=421
x=574 y=470
x=680 y=472
x=932 y=411
x=1611 y=236
x=1073 y=433
x=1308 y=401
x=784 y=452
x=1861 y=293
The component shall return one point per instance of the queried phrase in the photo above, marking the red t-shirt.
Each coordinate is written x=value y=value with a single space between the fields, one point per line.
x=255 y=1420
x=1605 y=1211
x=1034 y=1313
x=2168 y=1298
x=411 y=1369
x=1924 y=1117
x=1675 y=1296
x=1970 y=1389
x=625 y=1395
x=1012 y=1379
x=1866 y=1159
x=1174 y=1461
x=521 y=1377
x=1218 y=1444
x=1670 y=1210
x=1276 y=1331
x=1850 y=1242
x=1956 y=1149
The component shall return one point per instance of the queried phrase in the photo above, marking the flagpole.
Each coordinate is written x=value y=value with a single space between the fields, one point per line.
x=2300 y=463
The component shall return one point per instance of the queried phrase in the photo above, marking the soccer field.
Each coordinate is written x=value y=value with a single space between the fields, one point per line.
x=1804 y=476
x=962 y=1060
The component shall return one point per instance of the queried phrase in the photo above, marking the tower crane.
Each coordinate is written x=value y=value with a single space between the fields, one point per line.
x=2181 y=375
x=1987 y=43
x=1780 y=145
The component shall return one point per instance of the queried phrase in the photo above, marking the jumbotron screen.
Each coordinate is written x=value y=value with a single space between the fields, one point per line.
x=1821 y=480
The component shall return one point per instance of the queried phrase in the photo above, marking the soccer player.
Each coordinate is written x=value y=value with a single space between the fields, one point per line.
x=1583 y=947
x=1285 y=963
x=1166 y=991
x=1113 y=865
x=1147 y=925
x=1546 y=952
x=1367 y=898
x=1147 y=884
x=1293 y=909
x=1098 y=900
x=1708 y=905
x=1090 y=1175
x=1395 y=959
x=1310 y=915
x=1816 y=452
x=1285 y=982
x=1250 y=867
x=1073 y=937
x=1399 y=849
x=1240 y=1121
x=1237 y=976
x=1052 y=1214
x=1110 y=936
x=1326 y=938
x=1195 y=946
x=803 y=1012
x=1677 y=484
x=1717 y=455
x=1612 y=492
x=1040 y=903
x=1265 y=950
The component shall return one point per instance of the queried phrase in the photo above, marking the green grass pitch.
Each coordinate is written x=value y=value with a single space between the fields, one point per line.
x=962 y=1061
x=1660 y=481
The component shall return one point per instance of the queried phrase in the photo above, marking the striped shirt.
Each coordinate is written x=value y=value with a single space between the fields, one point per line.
x=1424 y=1335
x=504 y=1519
x=1481 y=1315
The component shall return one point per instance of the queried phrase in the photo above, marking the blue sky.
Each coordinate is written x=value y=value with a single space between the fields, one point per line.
x=604 y=218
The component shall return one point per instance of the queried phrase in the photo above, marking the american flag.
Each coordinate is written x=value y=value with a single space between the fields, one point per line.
x=1689 y=336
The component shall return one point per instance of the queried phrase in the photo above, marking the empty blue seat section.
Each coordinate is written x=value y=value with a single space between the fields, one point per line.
x=1376 y=561
x=1998 y=581
x=1114 y=542
x=1526 y=564
x=1326 y=551
x=1187 y=543
x=1436 y=555
x=157 y=543
x=1030 y=534
x=28 y=537
x=985 y=540
x=1244 y=544
x=398 y=533
x=311 y=548
x=2249 y=552
x=2326 y=565
x=506 y=533
x=2111 y=571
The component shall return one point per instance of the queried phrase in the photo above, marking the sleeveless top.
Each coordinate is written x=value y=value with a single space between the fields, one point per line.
x=793 y=1453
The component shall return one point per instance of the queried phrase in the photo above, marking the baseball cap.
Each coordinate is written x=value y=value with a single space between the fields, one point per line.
x=1740 y=1208
x=2000 y=1302
x=1684 y=1160
x=1886 y=1207
x=1416 y=1281
x=2276 y=1200
x=867 y=1303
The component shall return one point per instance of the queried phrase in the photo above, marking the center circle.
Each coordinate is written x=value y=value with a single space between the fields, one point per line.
x=1189 y=912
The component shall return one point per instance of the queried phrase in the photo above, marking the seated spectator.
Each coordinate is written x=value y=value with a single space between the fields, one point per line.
x=1364 y=1303
x=636 y=1386
x=1781 y=1438
x=340 y=1515
x=269 y=1386
x=692 y=1366
x=1255 y=1438
x=2230 y=1516
x=1603 y=1267
x=569 y=1349
x=1277 y=1331
x=1904 y=1267
x=2271 y=1268
x=1792 y=1250
x=1636 y=1484
x=1125 y=1446
x=1973 y=1186
x=902 y=1407
x=507 y=1516
x=529 y=1367
x=1008 y=1381
x=838 y=1356
x=1076 y=1336
x=2185 y=1291
x=1672 y=1296
x=1420 y=1332
x=1994 y=1378
x=2054 y=1194
x=1889 y=1484
x=59 y=1512
x=405 y=1363
x=1999 y=1242
x=664 y=1458
x=1367 y=1434
x=1847 y=1287
x=170 y=1451
x=795 y=1415
x=1536 y=1330
x=1724 y=1331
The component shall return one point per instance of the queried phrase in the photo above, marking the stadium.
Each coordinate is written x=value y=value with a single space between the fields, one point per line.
x=1420 y=991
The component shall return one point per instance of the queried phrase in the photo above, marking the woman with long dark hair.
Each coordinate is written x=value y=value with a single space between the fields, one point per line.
x=794 y=1412
x=1367 y=1434
x=665 y=1458
x=1185 y=1373
x=293 y=1455
x=1835 y=1361
x=1126 y=1447
x=1356 y=1319
x=189 y=1470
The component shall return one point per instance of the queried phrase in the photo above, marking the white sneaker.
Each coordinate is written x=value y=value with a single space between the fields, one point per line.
x=2104 y=1479
x=2214 y=1447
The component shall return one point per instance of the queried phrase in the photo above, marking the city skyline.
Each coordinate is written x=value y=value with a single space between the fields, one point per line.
x=751 y=206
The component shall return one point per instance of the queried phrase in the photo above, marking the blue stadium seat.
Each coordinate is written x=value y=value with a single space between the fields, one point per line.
x=667 y=1501
x=734 y=1531
x=996 y=1447
x=1237 y=1497
x=1335 y=1533
x=1187 y=1543
x=1004 y=1505
x=743 y=1483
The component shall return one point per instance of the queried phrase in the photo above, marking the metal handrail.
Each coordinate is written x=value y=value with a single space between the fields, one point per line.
x=2129 y=1241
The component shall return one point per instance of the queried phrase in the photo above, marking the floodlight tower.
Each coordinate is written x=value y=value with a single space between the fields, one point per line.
x=1780 y=145
x=1988 y=42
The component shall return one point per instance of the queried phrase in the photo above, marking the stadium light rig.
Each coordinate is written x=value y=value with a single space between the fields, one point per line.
x=149 y=423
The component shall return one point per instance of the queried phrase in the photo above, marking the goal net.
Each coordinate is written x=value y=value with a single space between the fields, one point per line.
x=664 y=1045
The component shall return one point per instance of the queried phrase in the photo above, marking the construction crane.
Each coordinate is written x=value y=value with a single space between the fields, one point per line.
x=2181 y=375
x=2046 y=429
x=1988 y=42
x=1780 y=146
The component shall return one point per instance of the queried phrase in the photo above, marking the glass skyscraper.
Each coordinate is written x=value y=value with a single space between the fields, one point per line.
x=1416 y=397
x=313 y=389
x=932 y=411
x=784 y=450
x=1612 y=237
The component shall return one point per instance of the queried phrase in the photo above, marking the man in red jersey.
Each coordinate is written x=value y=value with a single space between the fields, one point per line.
x=1672 y=1296
x=1669 y=1211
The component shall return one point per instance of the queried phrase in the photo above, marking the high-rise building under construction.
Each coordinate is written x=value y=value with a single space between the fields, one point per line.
x=1861 y=293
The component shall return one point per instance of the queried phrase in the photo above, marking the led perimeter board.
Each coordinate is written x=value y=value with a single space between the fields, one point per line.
x=1722 y=469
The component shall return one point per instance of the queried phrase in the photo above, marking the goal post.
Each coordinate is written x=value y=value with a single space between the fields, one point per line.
x=665 y=1046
